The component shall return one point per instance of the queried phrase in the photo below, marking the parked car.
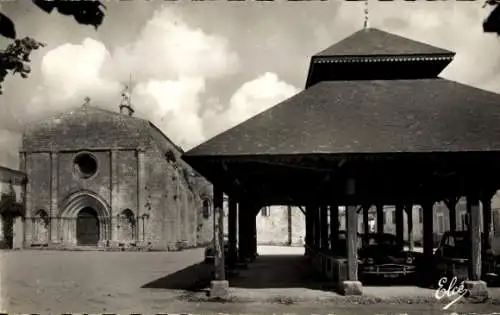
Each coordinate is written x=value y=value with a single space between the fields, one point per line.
x=383 y=256
x=210 y=252
x=451 y=259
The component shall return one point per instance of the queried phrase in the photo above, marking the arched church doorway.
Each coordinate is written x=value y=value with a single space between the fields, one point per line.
x=87 y=227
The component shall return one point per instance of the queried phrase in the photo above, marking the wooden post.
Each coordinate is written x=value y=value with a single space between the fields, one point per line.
x=428 y=227
x=242 y=231
x=409 y=215
x=253 y=234
x=317 y=228
x=380 y=218
x=309 y=228
x=487 y=221
x=366 y=226
x=352 y=235
x=334 y=226
x=324 y=227
x=451 y=204
x=289 y=224
x=475 y=236
x=399 y=223
x=232 y=218
x=220 y=273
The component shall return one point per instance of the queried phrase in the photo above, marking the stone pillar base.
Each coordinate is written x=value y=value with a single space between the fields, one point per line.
x=476 y=289
x=351 y=288
x=219 y=289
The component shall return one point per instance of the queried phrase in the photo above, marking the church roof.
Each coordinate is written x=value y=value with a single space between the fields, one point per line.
x=425 y=115
x=374 y=42
x=90 y=127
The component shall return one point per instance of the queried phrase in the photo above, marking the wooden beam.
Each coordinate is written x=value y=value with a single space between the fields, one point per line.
x=428 y=229
x=232 y=218
x=380 y=218
x=309 y=238
x=475 y=236
x=289 y=225
x=451 y=204
x=324 y=227
x=399 y=223
x=352 y=242
x=409 y=215
x=487 y=220
x=243 y=212
x=317 y=227
x=219 y=265
x=366 y=226
x=352 y=234
x=334 y=226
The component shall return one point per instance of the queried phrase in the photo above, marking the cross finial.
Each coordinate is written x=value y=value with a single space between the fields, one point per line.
x=126 y=103
x=86 y=101
x=366 y=15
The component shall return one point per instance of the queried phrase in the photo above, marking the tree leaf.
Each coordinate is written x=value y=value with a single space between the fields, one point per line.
x=7 y=28
x=46 y=6
x=492 y=22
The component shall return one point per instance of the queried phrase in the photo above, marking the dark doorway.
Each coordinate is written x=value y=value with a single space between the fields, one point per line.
x=7 y=231
x=87 y=227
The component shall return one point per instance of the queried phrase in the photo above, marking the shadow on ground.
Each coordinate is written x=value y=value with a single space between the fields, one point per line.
x=266 y=272
x=193 y=278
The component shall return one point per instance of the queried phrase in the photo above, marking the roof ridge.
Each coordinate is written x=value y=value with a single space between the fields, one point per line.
x=371 y=40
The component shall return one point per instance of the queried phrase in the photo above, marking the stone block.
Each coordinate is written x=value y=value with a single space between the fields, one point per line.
x=219 y=289
x=476 y=289
x=351 y=288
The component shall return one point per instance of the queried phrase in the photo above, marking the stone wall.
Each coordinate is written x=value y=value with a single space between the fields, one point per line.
x=274 y=227
x=69 y=182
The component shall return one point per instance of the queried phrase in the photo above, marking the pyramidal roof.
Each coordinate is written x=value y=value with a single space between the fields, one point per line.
x=375 y=42
x=372 y=54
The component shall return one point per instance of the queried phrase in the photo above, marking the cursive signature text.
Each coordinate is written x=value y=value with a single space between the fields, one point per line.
x=453 y=290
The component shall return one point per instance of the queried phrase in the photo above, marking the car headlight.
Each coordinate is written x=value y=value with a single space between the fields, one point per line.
x=409 y=260
x=369 y=261
x=370 y=268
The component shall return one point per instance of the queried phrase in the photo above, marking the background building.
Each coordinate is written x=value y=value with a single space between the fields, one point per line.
x=109 y=179
x=11 y=208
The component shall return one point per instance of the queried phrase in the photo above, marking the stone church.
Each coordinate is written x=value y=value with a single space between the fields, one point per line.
x=109 y=179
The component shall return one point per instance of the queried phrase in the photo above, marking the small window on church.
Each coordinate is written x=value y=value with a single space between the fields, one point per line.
x=86 y=165
x=206 y=209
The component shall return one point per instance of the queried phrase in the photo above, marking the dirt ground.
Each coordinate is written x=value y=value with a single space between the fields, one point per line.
x=58 y=282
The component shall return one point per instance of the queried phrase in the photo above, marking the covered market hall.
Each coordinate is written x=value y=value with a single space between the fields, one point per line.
x=374 y=126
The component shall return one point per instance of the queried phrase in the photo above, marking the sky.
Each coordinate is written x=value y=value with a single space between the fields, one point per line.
x=199 y=68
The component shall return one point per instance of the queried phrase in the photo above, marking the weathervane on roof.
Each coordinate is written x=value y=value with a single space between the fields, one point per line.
x=126 y=103
x=86 y=101
x=366 y=15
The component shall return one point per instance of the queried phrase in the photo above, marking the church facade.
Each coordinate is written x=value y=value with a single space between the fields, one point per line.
x=111 y=180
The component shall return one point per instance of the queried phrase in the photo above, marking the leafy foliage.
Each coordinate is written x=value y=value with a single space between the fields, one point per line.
x=85 y=12
x=492 y=23
x=15 y=58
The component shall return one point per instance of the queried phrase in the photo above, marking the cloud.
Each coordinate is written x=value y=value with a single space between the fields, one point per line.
x=170 y=63
x=71 y=72
x=251 y=98
x=172 y=48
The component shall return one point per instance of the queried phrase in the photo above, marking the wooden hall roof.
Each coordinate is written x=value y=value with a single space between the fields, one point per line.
x=426 y=115
x=370 y=120
x=375 y=42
